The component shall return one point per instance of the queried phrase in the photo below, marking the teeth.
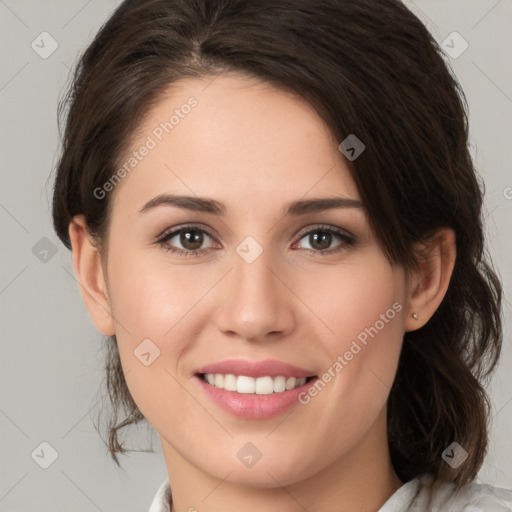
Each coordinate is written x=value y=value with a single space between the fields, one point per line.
x=230 y=382
x=279 y=384
x=250 y=385
x=245 y=384
x=219 y=380
x=264 y=385
x=290 y=383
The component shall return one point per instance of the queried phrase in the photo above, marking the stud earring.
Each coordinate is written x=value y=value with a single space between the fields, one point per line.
x=415 y=316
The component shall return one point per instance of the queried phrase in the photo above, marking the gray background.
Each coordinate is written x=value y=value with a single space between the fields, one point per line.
x=51 y=364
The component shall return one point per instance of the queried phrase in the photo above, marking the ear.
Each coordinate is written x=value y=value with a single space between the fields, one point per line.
x=89 y=272
x=428 y=286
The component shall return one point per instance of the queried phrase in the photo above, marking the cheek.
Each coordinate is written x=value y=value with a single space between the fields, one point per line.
x=364 y=312
x=150 y=301
x=360 y=302
x=370 y=327
x=151 y=307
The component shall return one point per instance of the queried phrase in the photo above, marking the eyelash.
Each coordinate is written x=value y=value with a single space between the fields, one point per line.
x=347 y=240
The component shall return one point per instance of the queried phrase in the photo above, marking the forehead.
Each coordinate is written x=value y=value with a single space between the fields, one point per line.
x=235 y=138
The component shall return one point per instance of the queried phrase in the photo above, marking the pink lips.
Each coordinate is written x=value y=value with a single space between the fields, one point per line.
x=270 y=367
x=252 y=406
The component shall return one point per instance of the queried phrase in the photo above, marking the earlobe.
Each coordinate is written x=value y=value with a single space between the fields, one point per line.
x=89 y=272
x=436 y=261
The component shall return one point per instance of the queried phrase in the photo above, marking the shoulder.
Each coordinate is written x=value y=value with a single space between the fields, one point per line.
x=162 y=499
x=418 y=495
x=474 y=497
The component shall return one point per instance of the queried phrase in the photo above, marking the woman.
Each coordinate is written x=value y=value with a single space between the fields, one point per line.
x=275 y=220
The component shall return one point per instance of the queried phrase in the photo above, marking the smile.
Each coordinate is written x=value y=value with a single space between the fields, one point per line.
x=253 y=390
x=245 y=384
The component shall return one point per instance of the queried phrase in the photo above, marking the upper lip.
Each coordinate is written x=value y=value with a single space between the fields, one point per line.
x=268 y=367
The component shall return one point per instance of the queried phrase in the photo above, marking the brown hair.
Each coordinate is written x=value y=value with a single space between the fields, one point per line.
x=369 y=68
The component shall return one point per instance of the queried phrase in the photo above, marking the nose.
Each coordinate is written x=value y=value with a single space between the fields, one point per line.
x=256 y=302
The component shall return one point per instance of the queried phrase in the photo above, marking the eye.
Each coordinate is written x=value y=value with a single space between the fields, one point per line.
x=321 y=237
x=191 y=239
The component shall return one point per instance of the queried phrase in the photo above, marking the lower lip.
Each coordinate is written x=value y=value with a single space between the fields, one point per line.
x=253 y=406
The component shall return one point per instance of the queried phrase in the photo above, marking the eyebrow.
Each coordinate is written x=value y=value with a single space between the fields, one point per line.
x=206 y=205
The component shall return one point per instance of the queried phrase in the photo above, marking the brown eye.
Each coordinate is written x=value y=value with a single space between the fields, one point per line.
x=191 y=239
x=320 y=240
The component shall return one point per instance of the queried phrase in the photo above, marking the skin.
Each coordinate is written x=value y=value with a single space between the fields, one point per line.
x=255 y=148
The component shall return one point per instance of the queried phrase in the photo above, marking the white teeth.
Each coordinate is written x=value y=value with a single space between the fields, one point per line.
x=230 y=382
x=245 y=384
x=290 y=383
x=219 y=380
x=264 y=385
x=279 y=384
x=249 y=385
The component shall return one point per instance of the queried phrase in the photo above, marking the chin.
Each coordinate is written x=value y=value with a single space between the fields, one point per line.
x=268 y=472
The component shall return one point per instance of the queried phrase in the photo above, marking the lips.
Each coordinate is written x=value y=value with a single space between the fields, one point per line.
x=266 y=368
x=256 y=389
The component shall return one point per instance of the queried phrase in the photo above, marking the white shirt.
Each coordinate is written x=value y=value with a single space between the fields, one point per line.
x=413 y=496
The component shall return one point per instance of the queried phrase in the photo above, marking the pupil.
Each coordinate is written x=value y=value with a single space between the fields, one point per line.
x=191 y=241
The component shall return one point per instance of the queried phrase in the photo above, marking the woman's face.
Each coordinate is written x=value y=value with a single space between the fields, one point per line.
x=249 y=288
